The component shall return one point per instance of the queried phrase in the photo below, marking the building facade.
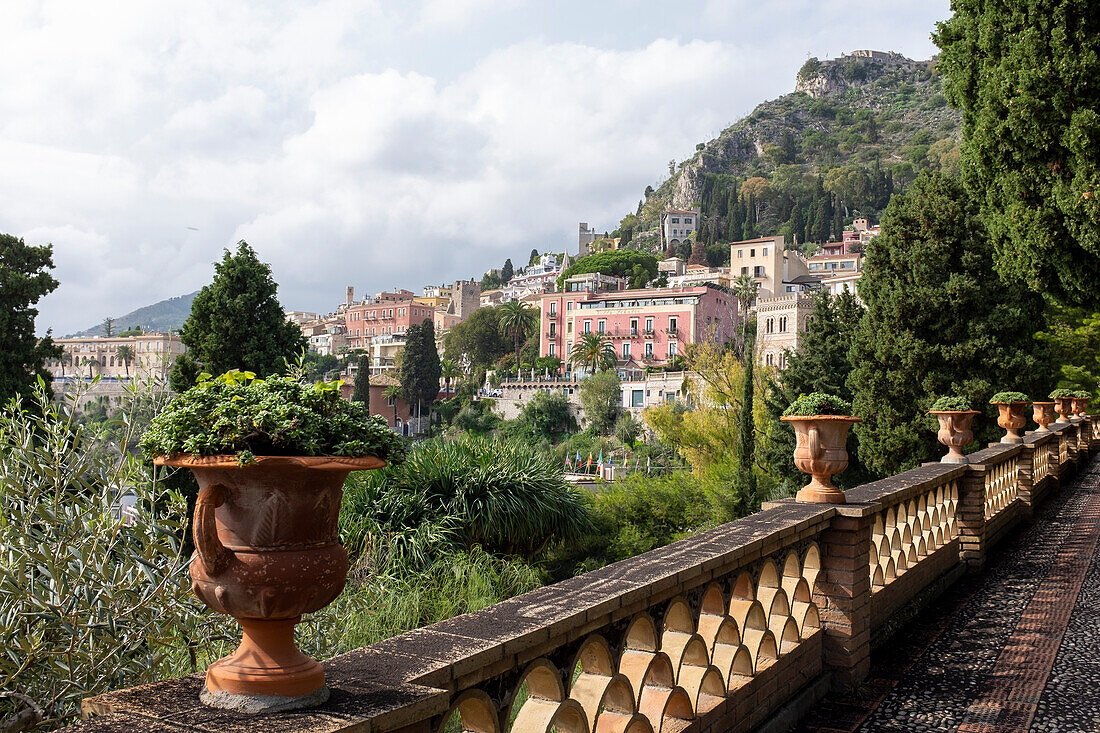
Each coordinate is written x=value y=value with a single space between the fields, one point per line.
x=117 y=357
x=779 y=323
x=383 y=316
x=677 y=225
x=648 y=327
x=768 y=262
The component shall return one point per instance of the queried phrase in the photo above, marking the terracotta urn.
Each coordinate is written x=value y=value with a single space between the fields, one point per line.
x=1064 y=407
x=1043 y=414
x=1012 y=416
x=821 y=451
x=266 y=551
x=955 y=432
x=1080 y=406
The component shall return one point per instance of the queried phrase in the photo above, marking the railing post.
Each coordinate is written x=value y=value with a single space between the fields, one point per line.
x=843 y=594
x=971 y=517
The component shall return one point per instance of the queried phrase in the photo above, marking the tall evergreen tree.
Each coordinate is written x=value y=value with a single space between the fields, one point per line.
x=1024 y=74
x=361 y=393
x=236 y=322
x=24 y=279
x=938 y=322
x=507 y=271
x=420 y=371
x=746 y=438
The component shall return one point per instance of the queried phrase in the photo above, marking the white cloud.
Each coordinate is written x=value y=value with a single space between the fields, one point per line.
x=345 y=140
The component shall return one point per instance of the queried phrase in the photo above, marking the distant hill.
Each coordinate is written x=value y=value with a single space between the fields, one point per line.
x=855 y=130
x=163 y=316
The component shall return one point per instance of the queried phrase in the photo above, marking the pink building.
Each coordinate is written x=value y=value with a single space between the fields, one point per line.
x=383 y=316
x=647 y=327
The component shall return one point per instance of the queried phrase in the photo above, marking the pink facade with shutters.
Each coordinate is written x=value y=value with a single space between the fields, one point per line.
x=647 y=327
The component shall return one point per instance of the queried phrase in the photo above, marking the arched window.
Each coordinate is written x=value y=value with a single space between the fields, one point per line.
x=769 y=325
x=782 y=324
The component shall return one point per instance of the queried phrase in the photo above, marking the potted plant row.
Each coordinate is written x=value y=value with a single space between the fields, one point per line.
x=1063 y=403
x=955 y=418
x=270 y=457
x=821 y=422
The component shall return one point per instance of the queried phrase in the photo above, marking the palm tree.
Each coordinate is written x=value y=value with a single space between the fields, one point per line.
x=745 y=289
x=448 y=369
x=593 y=352
x=125 y=354
x=517 y=319
x=392 y=392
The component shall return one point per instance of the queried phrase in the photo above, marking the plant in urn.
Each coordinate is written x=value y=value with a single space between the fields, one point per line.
x=955 y=418
x=1063 y=404
x=1012 y=414
x=270 y=457
x=821 y=424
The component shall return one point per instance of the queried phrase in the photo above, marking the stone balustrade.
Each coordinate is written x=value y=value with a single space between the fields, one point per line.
x=716 y=632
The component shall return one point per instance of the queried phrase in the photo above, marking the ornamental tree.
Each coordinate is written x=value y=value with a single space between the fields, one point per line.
x=236 y=322
x=1024 y=75
x=938 y=322
x=419 y=370
x=24 y=278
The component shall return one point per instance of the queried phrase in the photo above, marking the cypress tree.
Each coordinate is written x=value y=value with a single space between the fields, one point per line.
x=361 y=393
x=420 y=369
x=938 y=322
x=746 y=438
x=507 y=271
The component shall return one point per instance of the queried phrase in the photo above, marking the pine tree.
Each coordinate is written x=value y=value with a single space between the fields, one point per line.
x=938 y=322
x=236 y=322
x=698 y=253
x=1024 y=75
x=24 y=278
x=361 y=393
x=506 y=272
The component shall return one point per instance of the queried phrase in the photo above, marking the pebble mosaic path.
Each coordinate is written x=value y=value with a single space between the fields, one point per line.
x=1016 y=648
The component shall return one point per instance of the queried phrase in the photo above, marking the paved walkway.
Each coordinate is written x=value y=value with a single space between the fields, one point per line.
x=1014 y=649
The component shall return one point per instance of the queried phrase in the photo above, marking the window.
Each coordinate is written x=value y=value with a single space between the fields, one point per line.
x=649 y=349
x=782 y=324
x=588 y=326
x=752 y=253
x=569 y=326
x=569 y=306
x=633 y=326
x=551 y=352
x=391 y=401
x=672 y=324
x=553 y=329
x=740 y=253
x=758 y=271
x=769 y=325
x=637 y=398
x=744 y=271
x=649 y=325
x=765 y=251
x=783 y=360
x=675 y=220
x=687 y=219
x=553 y=307
x=626 y=350
x=769 y=359
x=601 y=326
x=671 y=349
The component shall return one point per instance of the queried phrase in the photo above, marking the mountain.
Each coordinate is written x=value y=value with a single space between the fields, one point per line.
x=163 y=316
x=855 y=130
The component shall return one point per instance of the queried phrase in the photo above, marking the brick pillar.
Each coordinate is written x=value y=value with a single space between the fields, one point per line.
x=843 y=594
x=971 y=517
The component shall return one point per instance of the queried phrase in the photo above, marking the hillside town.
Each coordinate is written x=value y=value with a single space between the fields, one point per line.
x=649 y=327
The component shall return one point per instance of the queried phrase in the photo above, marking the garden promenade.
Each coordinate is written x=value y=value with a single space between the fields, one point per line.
x=948 y=597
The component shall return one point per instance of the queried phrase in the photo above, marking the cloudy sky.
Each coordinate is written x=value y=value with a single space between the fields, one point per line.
x=374 y=143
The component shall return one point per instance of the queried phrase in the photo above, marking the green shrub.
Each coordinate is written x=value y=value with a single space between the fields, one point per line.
x=1081 y=394
x=951 y=404
x=1062 y=393
x=1006 y=398
x=818 y=403
x=237 y=413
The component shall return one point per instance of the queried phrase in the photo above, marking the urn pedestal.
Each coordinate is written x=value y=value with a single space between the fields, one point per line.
x=266 y=551
x=1043 y=415
x=821 y=451
x=955 y=432
x=1012 y=416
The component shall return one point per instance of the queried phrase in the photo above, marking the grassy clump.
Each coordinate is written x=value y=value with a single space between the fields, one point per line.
x=818 y=403
x=951 y=404
x=1007 y=398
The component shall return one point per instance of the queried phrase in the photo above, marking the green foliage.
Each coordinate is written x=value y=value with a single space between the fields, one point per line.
x=1062 y=394
x=236 y=322
x=809 y=69
x=602 y=399
x=455 y=494
x=544 y=416
x=938 y=321
x=619 y=262
x=593 y=352
x=1073 y=337
x=88 y=602
x=517 y=320
x=1081 y=394
x=1007 y=398
x=628 y=429
x=419 y=370
x=746 y=436
x=818 y=403
x=490 y=281
x=477 y=340
x=477 y=417
x=238 y=414
x=507 y=271
x=361 y=393
x=1024 y=75
x=24 y=279
x=950 y=403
